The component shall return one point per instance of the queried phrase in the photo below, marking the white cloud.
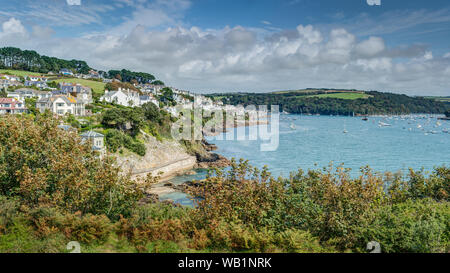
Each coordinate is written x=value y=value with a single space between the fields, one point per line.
x=13 y=26
x=239 y=59
x=370 y=47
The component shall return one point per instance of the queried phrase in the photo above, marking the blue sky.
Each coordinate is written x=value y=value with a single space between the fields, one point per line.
x=246 y=45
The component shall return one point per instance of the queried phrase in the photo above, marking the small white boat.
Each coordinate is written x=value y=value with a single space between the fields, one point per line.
x=345 y=131
x=292 y=126
x=383 y=124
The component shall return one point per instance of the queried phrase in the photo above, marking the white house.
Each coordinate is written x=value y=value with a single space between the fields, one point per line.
x=77 y=90
x=11 y=106
x=5 y=83
x=28 y=93
x=122 y=97
x=148 y=98
x=61 y=105
x=96 y=139
x=37 y=78
x=12 y=78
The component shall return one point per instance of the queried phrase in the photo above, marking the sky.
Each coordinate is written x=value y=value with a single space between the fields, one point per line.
x=246 y=45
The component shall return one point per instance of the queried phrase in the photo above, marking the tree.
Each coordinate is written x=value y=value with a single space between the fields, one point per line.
x=151 y=112
x=44 y=165
x=14 y=58
x=158 y=82
x=167 y=96
x=127 y=120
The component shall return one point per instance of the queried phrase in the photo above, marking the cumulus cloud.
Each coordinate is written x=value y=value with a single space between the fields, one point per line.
x=238 y=59
x=370 y=47
x=13 y=26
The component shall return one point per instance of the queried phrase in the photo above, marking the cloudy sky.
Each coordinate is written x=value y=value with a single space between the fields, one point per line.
x=246 y=45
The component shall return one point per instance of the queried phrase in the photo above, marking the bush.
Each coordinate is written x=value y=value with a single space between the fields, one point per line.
x=154 y=222
x=9 y=209
x=76 y=227
x=413 y=226
x=116 y=139
x=43 y=165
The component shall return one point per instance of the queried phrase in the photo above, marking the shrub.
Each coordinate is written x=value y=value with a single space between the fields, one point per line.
x=43 y=165
x=413 y=226
x=116 y=139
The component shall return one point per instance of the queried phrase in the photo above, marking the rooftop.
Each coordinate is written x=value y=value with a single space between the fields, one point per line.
x=90 y=134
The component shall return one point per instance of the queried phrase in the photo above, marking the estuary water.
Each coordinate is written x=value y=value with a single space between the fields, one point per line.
x=310 y=142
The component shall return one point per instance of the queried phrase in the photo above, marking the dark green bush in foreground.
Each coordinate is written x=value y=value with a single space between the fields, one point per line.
x=54 y=190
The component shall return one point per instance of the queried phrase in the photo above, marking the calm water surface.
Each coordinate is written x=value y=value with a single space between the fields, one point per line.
x=413 y=141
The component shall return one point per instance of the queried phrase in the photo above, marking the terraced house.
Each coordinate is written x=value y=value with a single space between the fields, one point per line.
x=61 y=105
x=11 y=106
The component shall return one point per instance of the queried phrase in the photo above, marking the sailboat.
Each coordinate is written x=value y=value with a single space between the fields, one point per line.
x=345 y=130
x=292 y=126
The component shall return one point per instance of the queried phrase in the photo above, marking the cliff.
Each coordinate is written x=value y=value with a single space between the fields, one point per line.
x=168 y=157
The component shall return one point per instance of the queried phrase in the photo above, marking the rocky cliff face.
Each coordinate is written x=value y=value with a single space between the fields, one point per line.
x=167 y=156
x=170 y=158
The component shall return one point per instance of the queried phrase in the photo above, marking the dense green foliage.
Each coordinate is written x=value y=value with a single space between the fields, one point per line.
x=15 y=58
x=29 y=60
x=307 y=103
x=167 y=97
x=124 y=124
x=54 y=189
x=116 y=85
x=158 y=82
x=60 y=192
x=129 y=76
x=345 y=213
x=47 y=166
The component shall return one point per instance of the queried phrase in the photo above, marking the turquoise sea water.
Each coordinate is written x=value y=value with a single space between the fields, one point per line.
x=311 y=142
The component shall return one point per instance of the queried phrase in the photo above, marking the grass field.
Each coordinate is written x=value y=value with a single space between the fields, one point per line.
x=97 y=87
x=343 y=95
x=295 y=91
x=442 y=99
x=19 y=72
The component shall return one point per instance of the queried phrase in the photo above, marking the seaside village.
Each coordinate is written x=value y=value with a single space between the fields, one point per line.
x=73 y=98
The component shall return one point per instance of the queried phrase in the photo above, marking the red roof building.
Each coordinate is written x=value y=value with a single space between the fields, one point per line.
x=11 y=106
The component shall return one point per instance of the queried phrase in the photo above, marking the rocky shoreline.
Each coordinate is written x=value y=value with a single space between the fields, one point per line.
x=205 y=158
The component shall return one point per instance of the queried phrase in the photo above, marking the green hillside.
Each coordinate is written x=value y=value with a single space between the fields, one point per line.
x=19 y=72
x=97 y=87
x=343 y=95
